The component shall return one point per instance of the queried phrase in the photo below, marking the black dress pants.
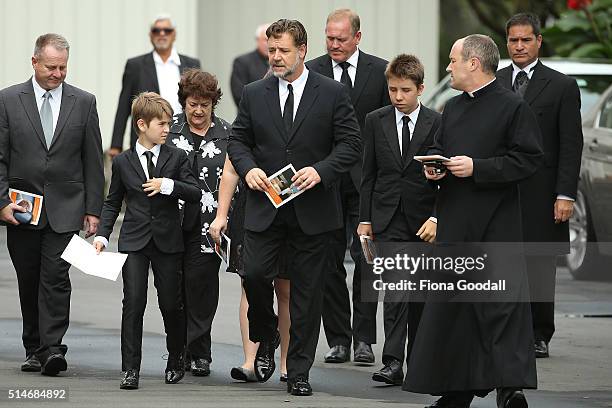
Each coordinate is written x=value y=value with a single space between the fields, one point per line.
x=401 y=319
x=200 y=292
x=542 y=272
x=44 y=287
x=337 y=307
x=166 y=274
x=310 y=254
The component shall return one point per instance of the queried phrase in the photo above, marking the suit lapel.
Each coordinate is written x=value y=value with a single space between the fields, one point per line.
x=364 y=69
x=149 y=68
x=309 y=96
x=68 y=102
x=390 y=131
x=537 y=83
x=273 y=102
x=28 y=99
x=164 y=155
x=505 y=77
x=421 y=130
x=325 y=67
x=135 y=162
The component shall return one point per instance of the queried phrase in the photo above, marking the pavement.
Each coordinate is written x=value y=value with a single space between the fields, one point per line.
x=578 y=373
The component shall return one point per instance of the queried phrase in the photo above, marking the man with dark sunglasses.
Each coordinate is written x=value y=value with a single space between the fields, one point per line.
x=157 y=71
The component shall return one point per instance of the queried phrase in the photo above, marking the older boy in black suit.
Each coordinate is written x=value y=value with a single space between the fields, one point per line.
x=151 y=177
x=396 y=200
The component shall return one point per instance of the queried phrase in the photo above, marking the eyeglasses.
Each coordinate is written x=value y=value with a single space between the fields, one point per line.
x=158 y=31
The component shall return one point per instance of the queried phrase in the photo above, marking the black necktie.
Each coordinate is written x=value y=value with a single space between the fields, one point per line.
x=405 y=136
x=346 y=78
x=520 y=83
x=150 y=165
x=288 y=111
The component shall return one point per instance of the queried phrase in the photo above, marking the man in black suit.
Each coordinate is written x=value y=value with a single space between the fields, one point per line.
x=364 y=75
x=151 y=177
x=397 y=201
x=158 y=71
x=49 y=145
x=302 y=118
x=251 y=66
x=547 y=198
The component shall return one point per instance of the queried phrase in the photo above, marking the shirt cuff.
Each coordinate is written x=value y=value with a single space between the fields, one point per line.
x=564 y=197
x=433 y=219
x=366 y=222
x=101 y=239
x=167 y=186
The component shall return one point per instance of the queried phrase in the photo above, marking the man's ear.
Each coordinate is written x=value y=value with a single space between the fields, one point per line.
x=141 y=125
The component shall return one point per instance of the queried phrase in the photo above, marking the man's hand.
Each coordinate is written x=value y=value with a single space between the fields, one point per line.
x=90 y=225
x=460 y=166
x=152 y=186
x=306 y=178
x=431 y=174
x=99 y=246
x=427 y=232
x=563 y=210
x=113 y=151
x=6 y=213
x=218 y=226
x=257 y=180
x=366 y=230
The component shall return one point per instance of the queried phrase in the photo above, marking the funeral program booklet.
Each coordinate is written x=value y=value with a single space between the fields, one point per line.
x=282 y=190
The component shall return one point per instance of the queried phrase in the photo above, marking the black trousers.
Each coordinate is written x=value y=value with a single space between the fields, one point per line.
x=337 y=307
x=166 y=274
x=44 y=287
x=542 y=273
x=401 y=319
x=201 y=294
x=310 y=255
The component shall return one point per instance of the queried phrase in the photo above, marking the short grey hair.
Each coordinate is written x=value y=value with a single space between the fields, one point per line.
x=163 y=17
x=261 y=29
x=55 y=40
x=484 y=48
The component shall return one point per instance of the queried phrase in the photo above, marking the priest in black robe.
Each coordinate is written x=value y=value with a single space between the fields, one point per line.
x=466 y=349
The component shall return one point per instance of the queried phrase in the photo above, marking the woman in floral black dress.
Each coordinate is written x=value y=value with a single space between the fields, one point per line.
x=203 y=137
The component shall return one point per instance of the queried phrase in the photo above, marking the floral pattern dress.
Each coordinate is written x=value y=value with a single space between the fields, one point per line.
x=210 y=158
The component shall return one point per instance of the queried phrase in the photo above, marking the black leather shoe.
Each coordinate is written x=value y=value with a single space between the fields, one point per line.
x=54 y=364
x=200 y=367
x=283 y=377
x=363 y=353
x=392 y=373
x=129 y=380
x=541 y=349
x=175 y=368
x=299 y=386
x=457 y=401
x=511 y=398
x=243 y=374
x=31 y=364
x=264 y=359
x=338 y=354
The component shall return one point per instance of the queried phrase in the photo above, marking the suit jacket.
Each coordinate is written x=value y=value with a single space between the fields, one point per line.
x=247 y=68
x=555 y=100
x=390 y=180
x=139 y=76
x=369 y=91
x=69 y=174
x=325 y=135
x=146 y=217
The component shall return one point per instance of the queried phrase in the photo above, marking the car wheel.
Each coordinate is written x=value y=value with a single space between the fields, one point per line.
x=584 y=260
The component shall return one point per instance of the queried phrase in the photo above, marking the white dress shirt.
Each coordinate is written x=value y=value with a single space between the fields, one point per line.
x=168 y=77
x=298 y=90
x=55 y=101
x=528 y=69
x=352 y=69
x=399 y=123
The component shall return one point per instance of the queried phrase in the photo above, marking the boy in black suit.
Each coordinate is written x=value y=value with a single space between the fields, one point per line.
x=397 y=202
x=151 y=177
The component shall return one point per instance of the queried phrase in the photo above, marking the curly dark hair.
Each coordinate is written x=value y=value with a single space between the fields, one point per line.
x=199 y=84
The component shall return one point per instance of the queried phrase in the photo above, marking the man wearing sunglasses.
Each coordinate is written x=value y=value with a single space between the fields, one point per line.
x=158 y=71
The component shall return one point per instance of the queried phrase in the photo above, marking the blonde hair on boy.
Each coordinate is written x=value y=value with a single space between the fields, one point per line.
x=148 y=106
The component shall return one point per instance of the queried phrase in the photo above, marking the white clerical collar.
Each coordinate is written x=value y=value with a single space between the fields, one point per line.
x=414 y=115
x=471 y=93
x=140 y=149
x=39 y=91
x=299 y=82
x=528 y=69
x=174 y=57
x=351 y=60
